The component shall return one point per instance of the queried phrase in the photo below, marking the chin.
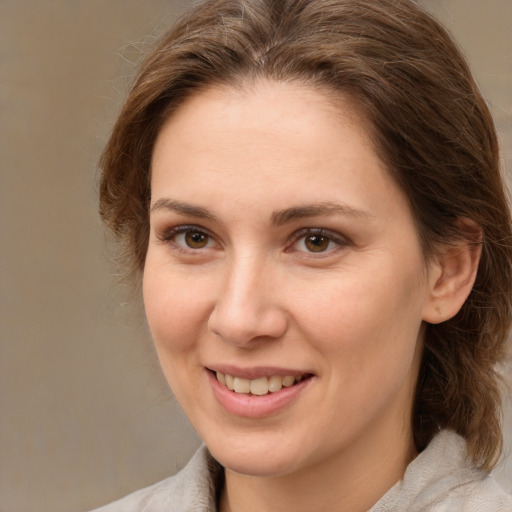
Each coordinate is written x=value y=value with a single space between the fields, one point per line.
x=256 y=458
x=267 y=466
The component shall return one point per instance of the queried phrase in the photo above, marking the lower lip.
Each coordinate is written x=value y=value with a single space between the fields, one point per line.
x=254 y=406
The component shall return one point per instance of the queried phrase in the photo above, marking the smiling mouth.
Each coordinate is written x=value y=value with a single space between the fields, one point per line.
x=260 y=386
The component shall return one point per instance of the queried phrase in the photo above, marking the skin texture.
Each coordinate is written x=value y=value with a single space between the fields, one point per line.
x=230 y=169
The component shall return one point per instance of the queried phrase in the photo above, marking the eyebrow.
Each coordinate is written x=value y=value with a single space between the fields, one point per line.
x=278 y=218
x=182 y=208
x=316 y=210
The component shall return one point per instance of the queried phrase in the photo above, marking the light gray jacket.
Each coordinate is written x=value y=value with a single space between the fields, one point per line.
x=440 y=479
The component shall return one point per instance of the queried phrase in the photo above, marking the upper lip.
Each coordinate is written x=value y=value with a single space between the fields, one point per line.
x=255 y=372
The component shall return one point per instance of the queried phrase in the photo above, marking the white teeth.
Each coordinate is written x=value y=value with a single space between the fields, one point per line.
x=275 y=383
x=288 y=381
x=229 y=381
x=260 y=386
x=241 y=385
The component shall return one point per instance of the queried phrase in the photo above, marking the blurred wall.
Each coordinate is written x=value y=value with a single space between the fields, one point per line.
x=84 y=415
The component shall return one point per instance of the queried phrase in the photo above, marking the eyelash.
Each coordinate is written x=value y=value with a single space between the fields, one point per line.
x=340 y=241
x=169 y=237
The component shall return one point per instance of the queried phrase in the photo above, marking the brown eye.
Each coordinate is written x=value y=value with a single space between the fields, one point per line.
x=319 y=241
x=316 y=243
x=196 y=239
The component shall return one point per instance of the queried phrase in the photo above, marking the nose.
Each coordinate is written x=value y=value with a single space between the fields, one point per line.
x=247 y=308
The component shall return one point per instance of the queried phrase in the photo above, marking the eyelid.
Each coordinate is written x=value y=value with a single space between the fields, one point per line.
x=166 y=236
x=337 y=238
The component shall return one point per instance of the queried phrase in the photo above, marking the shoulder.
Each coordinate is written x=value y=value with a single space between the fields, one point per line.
x=442 y=479
x=193 y=488
x=484 y=495
x=139 y=500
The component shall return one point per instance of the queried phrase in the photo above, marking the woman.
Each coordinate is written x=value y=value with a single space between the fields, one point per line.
x=309 y=193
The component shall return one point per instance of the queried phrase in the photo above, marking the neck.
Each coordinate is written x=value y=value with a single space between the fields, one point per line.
x=351 y=480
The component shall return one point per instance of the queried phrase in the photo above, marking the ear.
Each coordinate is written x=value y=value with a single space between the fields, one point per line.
x=453 y=273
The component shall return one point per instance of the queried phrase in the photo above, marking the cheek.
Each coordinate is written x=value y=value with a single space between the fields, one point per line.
x=176 y=310
x=175 y=316
x=367 y=335
x=368 y=325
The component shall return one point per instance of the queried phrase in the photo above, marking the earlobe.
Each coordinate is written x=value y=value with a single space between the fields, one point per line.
x=453 y=273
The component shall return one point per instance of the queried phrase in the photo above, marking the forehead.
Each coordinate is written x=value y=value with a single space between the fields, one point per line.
x=248 y=121
x=245 y=154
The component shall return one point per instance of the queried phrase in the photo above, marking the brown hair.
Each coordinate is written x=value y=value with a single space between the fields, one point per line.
x=429 y=124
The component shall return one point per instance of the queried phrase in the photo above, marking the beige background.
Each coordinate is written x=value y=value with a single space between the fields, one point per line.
x=84 y=414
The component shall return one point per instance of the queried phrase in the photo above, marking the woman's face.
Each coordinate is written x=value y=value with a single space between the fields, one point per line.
x=282 y=252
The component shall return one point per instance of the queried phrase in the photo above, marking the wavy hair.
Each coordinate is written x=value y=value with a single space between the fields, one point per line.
x=428 y=123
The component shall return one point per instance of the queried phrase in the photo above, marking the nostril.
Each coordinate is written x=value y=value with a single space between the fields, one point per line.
x=245 y=326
